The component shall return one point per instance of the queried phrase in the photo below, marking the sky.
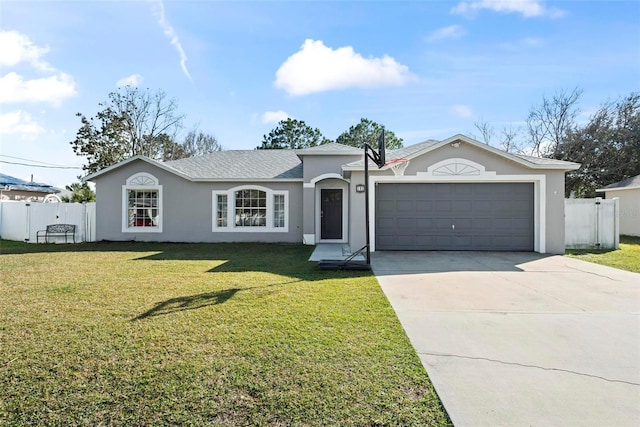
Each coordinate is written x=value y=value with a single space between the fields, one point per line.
x=423 y=69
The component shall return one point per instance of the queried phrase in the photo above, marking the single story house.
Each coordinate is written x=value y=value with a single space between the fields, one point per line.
x=454 y=194
x=12 y=188
x=628 y=192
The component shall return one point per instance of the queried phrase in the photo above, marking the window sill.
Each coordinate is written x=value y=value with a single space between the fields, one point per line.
x=250 y=230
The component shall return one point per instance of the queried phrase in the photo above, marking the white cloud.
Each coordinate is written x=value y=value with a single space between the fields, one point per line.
x=17 y=48
x=450 y=32
x=463 y=111
x=318 y=68
x=133 y=80
x=21 y=123
x=527 y=8
x=274 y=116
x=52 y=90
x=173 y=37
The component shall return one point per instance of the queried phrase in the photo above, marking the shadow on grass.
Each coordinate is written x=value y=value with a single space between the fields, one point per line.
x=198 y=301
x=192 y=302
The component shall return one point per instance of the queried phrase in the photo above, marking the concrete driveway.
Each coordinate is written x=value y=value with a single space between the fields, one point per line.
x=521 y=339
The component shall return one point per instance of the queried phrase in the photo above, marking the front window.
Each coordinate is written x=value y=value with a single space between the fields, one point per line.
x=278 y=210
x=142 y=204
x=221 y=217
x=143 y=208
x=250 y=209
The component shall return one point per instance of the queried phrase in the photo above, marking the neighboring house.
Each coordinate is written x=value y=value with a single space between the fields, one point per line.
x=12 y=188
x=628 y=191
x=455 y=194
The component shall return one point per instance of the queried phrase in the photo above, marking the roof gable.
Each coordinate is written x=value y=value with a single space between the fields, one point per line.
x=625 y=184
x=420 y=149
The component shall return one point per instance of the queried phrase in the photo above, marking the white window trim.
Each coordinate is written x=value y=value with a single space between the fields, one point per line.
x=142 y=182
x=231 y=209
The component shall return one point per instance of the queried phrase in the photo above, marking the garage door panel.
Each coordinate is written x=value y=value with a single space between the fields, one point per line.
x=442 y=223
x=464 y=207
x=385 y=206
x=446 y=189
x=487 y=216
x=482 y=207
x=424 y=206
x=462 y=224
x=405 y=224
x=443 y=206
x=424 y=223
x=405 y=206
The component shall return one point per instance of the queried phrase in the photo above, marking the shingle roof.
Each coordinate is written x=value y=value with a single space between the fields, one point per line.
x=633 y=182
x=540 y=160
x=413 y=150
x=399 y=153
x=332 y=148
x=13 y=183
x=241 y=164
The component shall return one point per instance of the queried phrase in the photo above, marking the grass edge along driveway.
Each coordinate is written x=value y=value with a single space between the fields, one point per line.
x=200 y=334
x=625 y=258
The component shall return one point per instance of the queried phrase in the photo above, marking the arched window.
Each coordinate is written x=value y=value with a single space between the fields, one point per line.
x=142 y=204
x=250 y=208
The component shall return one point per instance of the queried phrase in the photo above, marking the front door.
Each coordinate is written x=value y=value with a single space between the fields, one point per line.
x=331 y=214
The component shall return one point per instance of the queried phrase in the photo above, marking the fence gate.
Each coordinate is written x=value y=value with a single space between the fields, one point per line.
x=592 y=223
x=21 y=220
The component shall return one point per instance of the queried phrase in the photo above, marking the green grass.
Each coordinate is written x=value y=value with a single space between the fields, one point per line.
x=625 y=258
x=200 y=334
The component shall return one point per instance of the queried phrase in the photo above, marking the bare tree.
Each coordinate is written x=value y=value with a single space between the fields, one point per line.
x=147 y=116
x=509 y=139
x=132 y=122
x=508 y=136
x=549 y=122
x=199 y=143
x=486 y=130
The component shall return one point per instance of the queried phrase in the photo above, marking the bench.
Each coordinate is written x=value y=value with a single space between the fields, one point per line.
x=66 y=230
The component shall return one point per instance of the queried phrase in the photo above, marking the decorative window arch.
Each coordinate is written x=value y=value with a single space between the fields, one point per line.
x=456 y=167
x=142 y=204
x=250 y=208
x=142 y=179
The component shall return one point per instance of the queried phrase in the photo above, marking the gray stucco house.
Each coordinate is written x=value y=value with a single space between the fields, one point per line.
x=455 y=194
x=628 y=192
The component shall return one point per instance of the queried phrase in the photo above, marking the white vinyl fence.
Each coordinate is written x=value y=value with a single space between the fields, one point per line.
x=21 y=220
x=592 y=223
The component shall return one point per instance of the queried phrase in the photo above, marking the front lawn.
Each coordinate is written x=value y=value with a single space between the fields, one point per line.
x=625 y=258
x=199 y=334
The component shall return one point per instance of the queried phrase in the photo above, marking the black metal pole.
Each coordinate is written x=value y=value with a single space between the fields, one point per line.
x=366 y=201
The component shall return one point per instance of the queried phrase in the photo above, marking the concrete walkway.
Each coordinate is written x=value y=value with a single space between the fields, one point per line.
x=521 y=339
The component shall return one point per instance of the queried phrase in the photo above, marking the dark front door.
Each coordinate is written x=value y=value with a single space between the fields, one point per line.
x=330 y=213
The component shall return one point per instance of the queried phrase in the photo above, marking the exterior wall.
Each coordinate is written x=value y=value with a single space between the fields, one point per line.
x=552 y=183
x=315 y=166
x=317 y=169
x=187 y=209
x=332 y=183
x=629 y=210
